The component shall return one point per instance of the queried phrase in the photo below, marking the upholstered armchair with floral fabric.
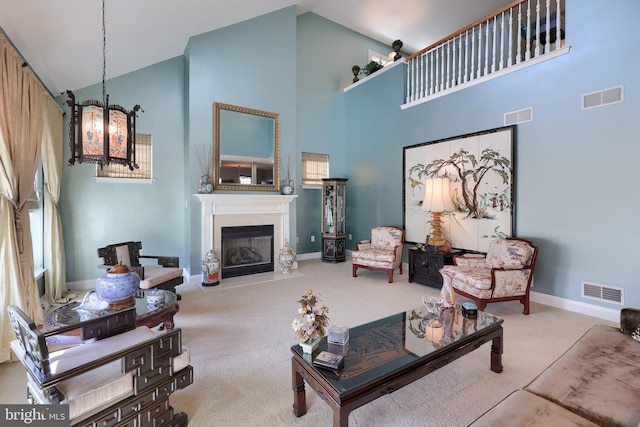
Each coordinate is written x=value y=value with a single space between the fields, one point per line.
x=504 y=274
x=383 y=252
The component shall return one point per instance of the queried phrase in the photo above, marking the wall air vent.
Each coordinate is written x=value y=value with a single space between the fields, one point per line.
x=603 y=293
x=520 y=116
x=603 y=97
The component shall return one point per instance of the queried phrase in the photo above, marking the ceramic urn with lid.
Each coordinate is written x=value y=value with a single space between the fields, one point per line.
x=118 y=285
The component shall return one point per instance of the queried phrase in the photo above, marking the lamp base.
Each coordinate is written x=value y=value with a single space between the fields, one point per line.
x=437 y=234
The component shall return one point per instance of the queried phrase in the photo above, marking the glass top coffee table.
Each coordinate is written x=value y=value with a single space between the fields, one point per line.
x=387 y=354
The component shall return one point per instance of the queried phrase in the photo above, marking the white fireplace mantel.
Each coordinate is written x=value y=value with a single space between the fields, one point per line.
x=229 y=210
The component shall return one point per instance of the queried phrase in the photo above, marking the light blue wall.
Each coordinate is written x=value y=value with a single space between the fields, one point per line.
x=251 y=64
x=576 y=185
x=95 y=214
x=376 y=135
x=575 y=170
x=326 y=52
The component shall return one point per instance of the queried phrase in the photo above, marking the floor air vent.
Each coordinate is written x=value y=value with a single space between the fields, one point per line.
x=520 y=116
x=602 y=293
x=603 y=97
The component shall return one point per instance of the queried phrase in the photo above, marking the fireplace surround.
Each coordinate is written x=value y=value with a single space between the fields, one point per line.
x=235 y=210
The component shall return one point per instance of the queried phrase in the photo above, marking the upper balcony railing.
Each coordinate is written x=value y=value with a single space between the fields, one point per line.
x=518 y=35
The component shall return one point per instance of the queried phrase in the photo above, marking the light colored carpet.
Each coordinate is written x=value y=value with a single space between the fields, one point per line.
x=240 y=338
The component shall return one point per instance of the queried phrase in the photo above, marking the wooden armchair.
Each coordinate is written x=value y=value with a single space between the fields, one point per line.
x=123 y=379
x=383 y=252
x=504 y=274
x=166 y=275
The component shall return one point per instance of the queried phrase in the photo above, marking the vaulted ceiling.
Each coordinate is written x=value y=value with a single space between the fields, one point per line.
x=62 y=39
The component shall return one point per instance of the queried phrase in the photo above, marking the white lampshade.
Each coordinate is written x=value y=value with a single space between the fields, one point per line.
x=437 y=196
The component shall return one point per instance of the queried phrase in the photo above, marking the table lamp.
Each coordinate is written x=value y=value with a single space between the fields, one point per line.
x=437 y=199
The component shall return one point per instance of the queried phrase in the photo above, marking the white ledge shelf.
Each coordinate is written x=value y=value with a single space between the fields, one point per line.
x=377 y=73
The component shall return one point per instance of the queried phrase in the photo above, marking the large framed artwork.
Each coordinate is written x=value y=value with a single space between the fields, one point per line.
x=481 y=173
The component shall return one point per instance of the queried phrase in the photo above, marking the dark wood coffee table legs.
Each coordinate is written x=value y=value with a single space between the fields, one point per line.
x=342 y=405
x=299 y=394
x=299 y=375
x=496 y=352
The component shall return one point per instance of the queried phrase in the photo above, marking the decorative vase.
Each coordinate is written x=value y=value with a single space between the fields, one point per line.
x=205 y=185
x=118 y=285
x=155 y=297
x=286 y=257
x=355 y=71
x=310 y=347
x=210 y=269
x=287 y=186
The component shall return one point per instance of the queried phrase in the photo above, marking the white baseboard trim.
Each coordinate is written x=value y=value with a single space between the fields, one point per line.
x=310 y=255
x=610 y=314
x=81 y=284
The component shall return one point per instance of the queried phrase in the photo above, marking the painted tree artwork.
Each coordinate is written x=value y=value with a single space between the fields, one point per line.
x=480 y=169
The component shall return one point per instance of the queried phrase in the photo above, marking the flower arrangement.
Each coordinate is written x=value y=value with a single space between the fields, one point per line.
x=311 y=326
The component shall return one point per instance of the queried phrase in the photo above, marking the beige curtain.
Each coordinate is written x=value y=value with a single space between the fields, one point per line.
x=54 y=259
x=21 y=123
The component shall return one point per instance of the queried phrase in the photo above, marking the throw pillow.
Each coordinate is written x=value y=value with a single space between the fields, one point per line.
x=636 y=334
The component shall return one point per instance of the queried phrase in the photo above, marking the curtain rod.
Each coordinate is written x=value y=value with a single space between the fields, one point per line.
x=5 y=39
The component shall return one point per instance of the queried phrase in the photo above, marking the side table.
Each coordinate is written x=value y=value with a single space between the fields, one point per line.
x=145 y=315
x=425 y=265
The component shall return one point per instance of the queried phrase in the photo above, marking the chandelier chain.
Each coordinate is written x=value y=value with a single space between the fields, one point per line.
x=104 y=54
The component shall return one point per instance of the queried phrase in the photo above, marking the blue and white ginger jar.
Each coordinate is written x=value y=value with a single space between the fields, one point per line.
x=118 y=284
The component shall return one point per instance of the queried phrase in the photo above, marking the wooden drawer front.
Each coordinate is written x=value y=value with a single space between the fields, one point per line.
x=122 y=322
x=418 y=262
x=131 y=422
x=110 y=325
x=151 y=379
x=140 y=359
x=434 y=263
x=138 y=404
x=164 y=391
x=149 y=418
x=183 y=378
x=96 y=330
x=168 y=346
x=108 y=420
x=164 y=418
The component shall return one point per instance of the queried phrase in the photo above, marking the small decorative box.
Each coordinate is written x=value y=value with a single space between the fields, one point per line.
x=338 y=335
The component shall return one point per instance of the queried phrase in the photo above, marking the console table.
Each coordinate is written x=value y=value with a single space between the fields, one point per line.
x=425 y=265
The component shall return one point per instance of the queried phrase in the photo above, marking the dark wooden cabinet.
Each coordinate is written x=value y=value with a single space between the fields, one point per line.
x=334 y=223
x=425 y=265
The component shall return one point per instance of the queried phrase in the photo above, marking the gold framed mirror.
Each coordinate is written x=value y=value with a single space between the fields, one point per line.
x=246 y=149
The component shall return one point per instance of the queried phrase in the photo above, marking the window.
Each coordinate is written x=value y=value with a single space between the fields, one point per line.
x=314 y=168
x=378 y=57
x=36 y=221
x=143 y=159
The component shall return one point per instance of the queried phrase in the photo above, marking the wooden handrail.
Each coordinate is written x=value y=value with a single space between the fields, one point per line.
x=468 y=27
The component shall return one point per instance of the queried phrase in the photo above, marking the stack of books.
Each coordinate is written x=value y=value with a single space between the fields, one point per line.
x=329 y=360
